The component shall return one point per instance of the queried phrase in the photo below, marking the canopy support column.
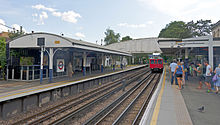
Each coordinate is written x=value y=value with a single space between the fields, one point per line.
x=102 y=67
x=84 y=63
x=51 y=65
x=41 y=64
x=211 y=50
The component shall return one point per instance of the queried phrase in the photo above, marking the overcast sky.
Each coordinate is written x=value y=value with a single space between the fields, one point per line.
x=89 y=19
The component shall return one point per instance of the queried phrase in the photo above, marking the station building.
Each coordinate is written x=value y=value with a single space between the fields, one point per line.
x=204 y=48
x=62 y=56
x=216 y=29
x=139 y=48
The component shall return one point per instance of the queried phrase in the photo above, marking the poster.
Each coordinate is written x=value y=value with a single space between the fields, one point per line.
x=60 y=65
x=26 y=61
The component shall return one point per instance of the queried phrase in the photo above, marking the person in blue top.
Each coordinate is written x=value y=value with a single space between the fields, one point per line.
x=217 y=83
x=183 y=76
x=179 y=71
x=172 y=70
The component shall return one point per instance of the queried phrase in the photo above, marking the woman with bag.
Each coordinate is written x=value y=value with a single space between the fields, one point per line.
x=217 y=78
x=179 y=74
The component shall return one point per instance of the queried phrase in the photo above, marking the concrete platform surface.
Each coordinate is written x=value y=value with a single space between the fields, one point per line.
x=11 y=89
x=195 y=98
x=167 y=106
x=10 y=85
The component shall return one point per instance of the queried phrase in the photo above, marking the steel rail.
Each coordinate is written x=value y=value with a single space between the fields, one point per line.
x=103 y=113
x=95 y=91
x=66 y=117
x=128 y=108
x=143 y=108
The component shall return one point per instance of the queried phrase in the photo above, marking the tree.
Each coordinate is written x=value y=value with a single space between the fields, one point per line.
x=111 y=37
x=2 y=53
x=199 y=28
x=176 y=29
x=14 y=34
x=126 y=38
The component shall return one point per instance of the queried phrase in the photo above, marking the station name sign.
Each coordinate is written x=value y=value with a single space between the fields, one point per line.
x=178 y=42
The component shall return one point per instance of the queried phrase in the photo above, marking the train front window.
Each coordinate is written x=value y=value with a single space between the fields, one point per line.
x=160 y=62
x=152 y=62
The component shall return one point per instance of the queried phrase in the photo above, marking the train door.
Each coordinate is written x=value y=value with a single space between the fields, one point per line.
x=160 y=63
x=152 y=62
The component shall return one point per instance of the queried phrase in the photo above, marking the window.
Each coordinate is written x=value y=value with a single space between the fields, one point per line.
x=151 y=61
x=160 y=61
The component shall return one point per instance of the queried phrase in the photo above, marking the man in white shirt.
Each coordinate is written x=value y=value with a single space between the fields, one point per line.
x=172 y=70
x=208 y=75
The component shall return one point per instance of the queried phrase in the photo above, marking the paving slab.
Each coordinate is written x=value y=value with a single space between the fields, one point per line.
x=195 y=98
x=168 y=106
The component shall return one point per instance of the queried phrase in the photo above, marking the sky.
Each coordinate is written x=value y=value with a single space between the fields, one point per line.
x=88 y=19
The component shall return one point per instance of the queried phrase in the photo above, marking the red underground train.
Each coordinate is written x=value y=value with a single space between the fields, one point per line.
x=156 y=63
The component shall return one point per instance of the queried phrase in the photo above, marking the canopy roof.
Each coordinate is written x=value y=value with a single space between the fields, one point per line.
x=56 y=41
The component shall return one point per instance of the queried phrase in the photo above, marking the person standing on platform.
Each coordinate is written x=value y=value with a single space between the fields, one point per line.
x=199 y=71
x=172 y=70
x=70 y=70
x=217 y=83
x=183 y=76
x=208 y=76
x=190 y=70
x=179 y=71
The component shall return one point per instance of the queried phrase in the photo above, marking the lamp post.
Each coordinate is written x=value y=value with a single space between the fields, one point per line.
x=41 y=43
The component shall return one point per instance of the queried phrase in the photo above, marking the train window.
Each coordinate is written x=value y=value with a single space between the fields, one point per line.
x=160 y=61
x=155 y=61
x=152 y=62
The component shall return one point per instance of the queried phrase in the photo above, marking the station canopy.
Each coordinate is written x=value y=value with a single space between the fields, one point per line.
x=143 y=45
x=56 y=41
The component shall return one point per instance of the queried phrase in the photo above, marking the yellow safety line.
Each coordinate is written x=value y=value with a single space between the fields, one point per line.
x=37 y=88
x=157 y=107
x=44 y=86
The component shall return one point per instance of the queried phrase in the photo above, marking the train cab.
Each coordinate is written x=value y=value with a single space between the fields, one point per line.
x=156 y=64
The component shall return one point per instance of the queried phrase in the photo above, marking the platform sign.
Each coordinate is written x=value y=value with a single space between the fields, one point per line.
x=60 y=65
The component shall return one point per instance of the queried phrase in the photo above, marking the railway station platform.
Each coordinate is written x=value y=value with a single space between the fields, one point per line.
x=195 y=98
x=22 y=97
x=167 y=105
x=170 y=106
x=10 y=88
x=11 y=85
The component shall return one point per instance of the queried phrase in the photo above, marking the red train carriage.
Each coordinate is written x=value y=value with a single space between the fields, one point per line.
x=156 y=64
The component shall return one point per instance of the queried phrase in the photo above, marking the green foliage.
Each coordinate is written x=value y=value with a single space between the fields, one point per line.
x=111 y=37
x=2 y=52
x=180 y=29
x=176 y=29
x=199 y=28
x=14 y=34
x=126 y=38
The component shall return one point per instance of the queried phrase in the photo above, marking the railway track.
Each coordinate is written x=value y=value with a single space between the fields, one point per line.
x=135 y=110
x=128 y=108
x=83 y=110
x=76 y=103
